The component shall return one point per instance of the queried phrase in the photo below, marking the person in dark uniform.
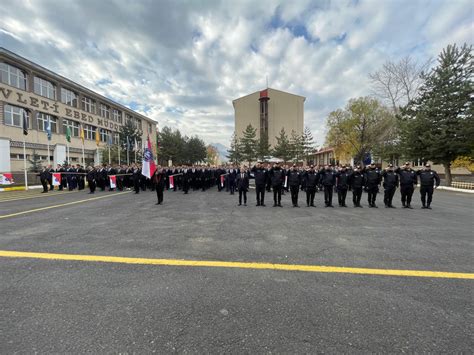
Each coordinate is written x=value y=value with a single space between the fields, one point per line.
x=242 y=183
x=136 y=178
x=187 y=178
x=62 y=169
x=277 y=178
x=159 y=179
x=357 y=183
x=294 y=182
x=231 y=178
x=91 y=179
x=80 y=177
x=373 y=178
x=390 y=184
x=342 y=185
x=51 y=171
x=261 y=177
x=429 y=180
x=71 y=178
x=44 y=176
x=408 y=180
x=312 y=179
x=328 y=180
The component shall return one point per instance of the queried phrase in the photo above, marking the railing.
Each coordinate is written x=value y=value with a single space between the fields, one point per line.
x=463 y=185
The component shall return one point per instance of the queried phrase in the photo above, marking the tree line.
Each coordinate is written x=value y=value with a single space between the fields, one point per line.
x=289 y=148
x=415 y=113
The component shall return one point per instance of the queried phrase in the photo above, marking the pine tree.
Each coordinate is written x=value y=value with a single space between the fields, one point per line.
x=263 y=148
x=282 y=148
x=308 y=143
x=439 y=124
x=234 y=154
x=35 y=162
x=296 y=146
x=248 y=144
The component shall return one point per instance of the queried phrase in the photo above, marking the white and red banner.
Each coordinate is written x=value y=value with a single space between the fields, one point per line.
x=56 y=179
x=6 y=179
x=148 y=164
x=171 y=182
x=286 y=181
x=113 y=181
x=222 y=180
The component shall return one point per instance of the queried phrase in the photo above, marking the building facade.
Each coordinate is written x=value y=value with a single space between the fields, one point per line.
x=49 y=98
x=269 y=111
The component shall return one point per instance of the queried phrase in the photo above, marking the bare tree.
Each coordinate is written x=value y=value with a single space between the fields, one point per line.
x=398 y=83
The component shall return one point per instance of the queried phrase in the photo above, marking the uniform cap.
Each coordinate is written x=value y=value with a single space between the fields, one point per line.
x=427 y=165
x=390 y=165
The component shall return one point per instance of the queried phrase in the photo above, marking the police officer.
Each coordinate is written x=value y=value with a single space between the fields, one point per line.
x=390 y=184
x=342 y=185
x=428 y=180
x=277 y=178
x=44 y=176
x=261 y=175
x=373 y=178
x=91 y=179
x=408 y=180
x=80 y=177
x=294 y=182
x=136 y=178
x=311 y=181
x=357 y=183
x=328 y=180
x=159 y=180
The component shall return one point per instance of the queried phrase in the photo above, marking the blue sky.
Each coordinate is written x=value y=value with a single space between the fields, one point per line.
x=183 y=62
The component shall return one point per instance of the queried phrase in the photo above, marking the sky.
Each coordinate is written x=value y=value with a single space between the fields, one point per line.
x=182 y=63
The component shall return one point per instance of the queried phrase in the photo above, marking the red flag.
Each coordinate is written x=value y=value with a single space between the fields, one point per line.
x=56 y=179
x=171 y=182
x=6 y=179
x=113 y=181
x=148 y=165
x=222 y=180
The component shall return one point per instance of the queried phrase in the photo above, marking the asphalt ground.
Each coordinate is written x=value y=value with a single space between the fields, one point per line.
x=57 y=306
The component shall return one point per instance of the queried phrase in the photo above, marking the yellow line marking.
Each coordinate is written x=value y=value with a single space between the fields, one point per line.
x=61 y=205
x=49 y=194
x=238 y=265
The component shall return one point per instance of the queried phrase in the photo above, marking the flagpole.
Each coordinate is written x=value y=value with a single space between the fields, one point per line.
x=119 y=153
x=68 y=155
x=128 y=156
x=109 y=155
x=83 y=155
x=49 y=160
x=24 y=163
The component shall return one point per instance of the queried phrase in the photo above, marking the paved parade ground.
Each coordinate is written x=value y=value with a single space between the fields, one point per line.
x=200 y=274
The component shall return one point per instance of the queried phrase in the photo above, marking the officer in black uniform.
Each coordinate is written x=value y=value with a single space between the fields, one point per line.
x=390 y=184
x=373 y=178
x=187 y=178
x=91 y=179
x=159 y=180
x=136 y=178
x=51 y=171
x=357 y=183
x=408 y=180
x=44 y=176
x=311 y=181
x=261 y=176
x=342 y=185
x=328 y=180
x=294 y=182
x=429 y=179
x=277 y=178
x=80 y=177
x=242 y=182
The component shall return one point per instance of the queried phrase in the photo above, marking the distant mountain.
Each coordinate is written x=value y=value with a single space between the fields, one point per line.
x=222 y=150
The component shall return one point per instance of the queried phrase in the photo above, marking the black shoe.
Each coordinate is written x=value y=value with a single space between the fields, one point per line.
x=405 y=206
x=387 y=206
x=275 y=205
x=157 y=203
x=423 y=207
x=279 y=205
x=374 y=206
x=344 y=205
x=428 y=207
x=312 y=205
x=297 y=206
x=307 y=205
x=257 y=204
x=240 y=204
x=392 y=206
x=262 y=205
x=409 y=206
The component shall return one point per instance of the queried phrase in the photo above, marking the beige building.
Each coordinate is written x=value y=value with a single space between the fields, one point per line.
x=49 y=97
x=269 y=111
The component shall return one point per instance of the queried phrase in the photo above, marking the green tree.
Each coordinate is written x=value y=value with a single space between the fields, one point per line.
x=439 y=124
x=35 y=162
x=263 y=147
x=130 y=130
x=296 y=146
x=234 y=153
x=248 y=144
x=361 y=127
x=308 y=143
x=194 y=150
x=282 y=148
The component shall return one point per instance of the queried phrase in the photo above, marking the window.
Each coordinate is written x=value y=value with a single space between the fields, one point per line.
x=89 y=132
x=116 y=138
x=104 y=134
x=117 y=115
x=139 y=124
x=13 y=116
x=13 y=76
x=128 y=118
x=104 y=111
x=45 y=88
x=149 y=127
x=68 y=97
x=43 y=118
x=88 y=104
x=73 y=127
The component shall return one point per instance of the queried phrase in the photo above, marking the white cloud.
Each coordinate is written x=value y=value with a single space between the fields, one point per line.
x=182 y=63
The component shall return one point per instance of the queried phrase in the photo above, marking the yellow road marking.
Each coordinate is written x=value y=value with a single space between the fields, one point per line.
x=36 y=195
x=238 y=265
x=61 y=205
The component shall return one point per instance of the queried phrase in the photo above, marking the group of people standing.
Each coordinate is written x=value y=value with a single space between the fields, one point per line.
x=276 y=178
